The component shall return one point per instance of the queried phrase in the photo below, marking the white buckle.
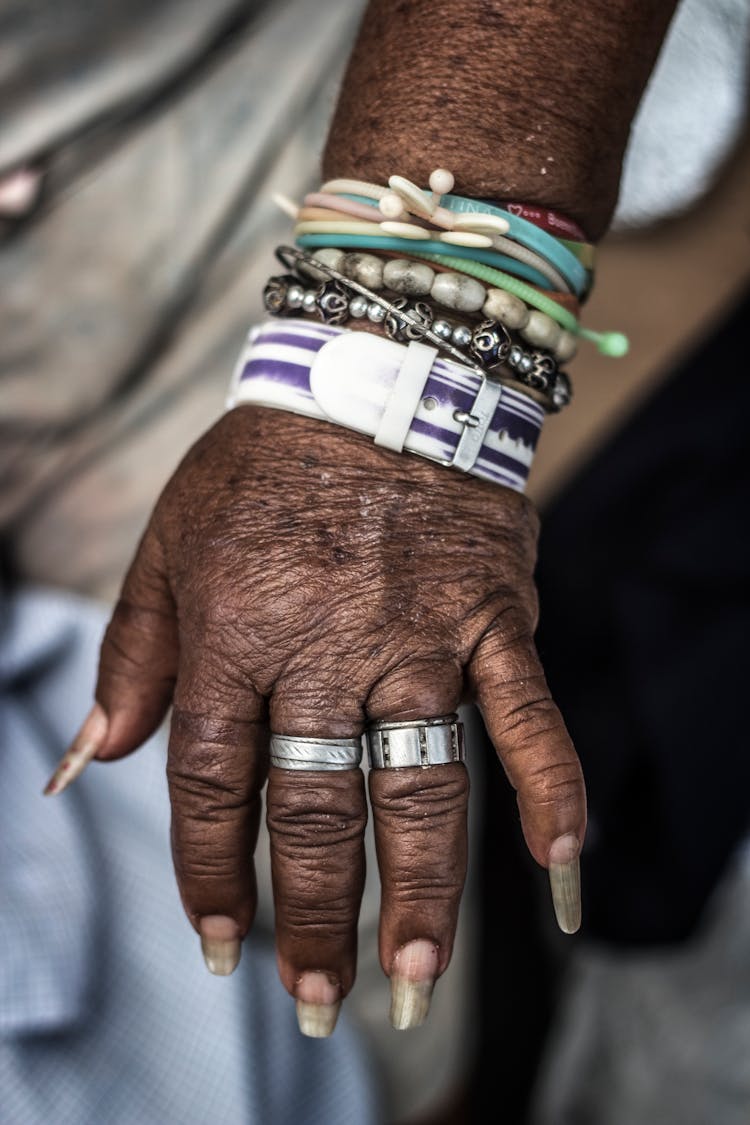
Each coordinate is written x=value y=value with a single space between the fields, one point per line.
x=476 y=424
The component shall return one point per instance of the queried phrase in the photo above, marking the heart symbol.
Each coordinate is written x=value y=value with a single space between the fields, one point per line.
x=515 y=208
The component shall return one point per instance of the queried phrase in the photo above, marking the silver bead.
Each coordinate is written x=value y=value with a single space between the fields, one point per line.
x=526 y=364
x=294 y=296
x=375 y=313
x=310 y=301
x=515 y=356
x=562 y=391
x=358 y=307
x=442 y=329
x=462 y=336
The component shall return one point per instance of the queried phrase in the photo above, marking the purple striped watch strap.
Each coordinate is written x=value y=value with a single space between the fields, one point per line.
x=460 y=419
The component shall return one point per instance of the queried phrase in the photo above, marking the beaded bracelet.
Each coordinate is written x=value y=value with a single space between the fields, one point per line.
x=456 y=291
x=491 y=343
x=614 y=344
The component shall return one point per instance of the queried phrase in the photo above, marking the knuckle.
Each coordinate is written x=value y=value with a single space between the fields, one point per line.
x=293 y=827
x=529 y=721
x=410 y=801
x=554 y=783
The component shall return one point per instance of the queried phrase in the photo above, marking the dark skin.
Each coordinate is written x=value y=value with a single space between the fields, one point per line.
x=296 y=578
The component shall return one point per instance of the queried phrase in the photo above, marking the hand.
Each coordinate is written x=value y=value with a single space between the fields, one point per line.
x=295 y=578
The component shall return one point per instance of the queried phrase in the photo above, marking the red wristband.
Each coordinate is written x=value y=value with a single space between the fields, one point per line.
x=551 y=221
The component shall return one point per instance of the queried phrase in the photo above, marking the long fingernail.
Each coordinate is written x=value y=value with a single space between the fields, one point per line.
x=85 y=746
x=565 y=882
x=318 y=1000
x=412 y=981
x=220 y=943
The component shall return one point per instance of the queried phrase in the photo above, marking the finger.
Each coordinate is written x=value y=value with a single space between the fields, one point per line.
x=137 y=665
x=216 y=768
x=531 y=739
x=316 y=823
x=420 y=824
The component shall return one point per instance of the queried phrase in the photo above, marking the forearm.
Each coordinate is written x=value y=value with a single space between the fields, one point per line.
x=530 y=101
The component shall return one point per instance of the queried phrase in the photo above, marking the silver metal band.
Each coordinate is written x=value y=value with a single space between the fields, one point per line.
x=289 y=752
x=432 y=742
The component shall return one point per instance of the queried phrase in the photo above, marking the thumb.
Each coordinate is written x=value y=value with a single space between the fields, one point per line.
x=137 y=669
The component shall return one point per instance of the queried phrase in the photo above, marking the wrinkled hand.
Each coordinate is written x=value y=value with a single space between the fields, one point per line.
x=295 y=578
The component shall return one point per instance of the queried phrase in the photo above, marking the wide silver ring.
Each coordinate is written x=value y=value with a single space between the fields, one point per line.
x=289 y=752
x=431 y=742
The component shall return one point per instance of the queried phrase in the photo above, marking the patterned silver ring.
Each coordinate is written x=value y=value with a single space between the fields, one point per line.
x=431 y=742
x=290 y=752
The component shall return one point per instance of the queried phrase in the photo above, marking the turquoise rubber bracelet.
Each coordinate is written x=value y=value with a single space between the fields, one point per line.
x=411 y=246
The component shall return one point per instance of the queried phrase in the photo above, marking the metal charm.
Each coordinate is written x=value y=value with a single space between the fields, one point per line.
x=333 y=302
x=276 y=289
x=490 y=343
x=398 y=329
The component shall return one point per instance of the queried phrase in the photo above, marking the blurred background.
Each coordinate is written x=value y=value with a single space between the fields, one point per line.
x=140 y=146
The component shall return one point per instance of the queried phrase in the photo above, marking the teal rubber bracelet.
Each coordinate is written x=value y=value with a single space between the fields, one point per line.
x=411 y=246
x=522 y=231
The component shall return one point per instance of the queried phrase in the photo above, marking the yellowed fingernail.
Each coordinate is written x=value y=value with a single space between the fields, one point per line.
x=565 y=882
x=220 y=944
x=412 y=981
x=318 y=1001
x=85 y=746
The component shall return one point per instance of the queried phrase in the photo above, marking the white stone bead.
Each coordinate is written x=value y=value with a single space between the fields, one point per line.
x=456 y=291
x=411 y=278
x=330 y=256
x=364 y=268
x=541 y=330
x=505 y=307
x=566 y=347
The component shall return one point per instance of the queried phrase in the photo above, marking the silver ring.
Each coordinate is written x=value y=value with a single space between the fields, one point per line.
x=431 y=742
x=289 y=752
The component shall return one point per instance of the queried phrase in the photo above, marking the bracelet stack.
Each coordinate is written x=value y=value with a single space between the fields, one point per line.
x=514 y=249
x=487 y=346
x=477 y=307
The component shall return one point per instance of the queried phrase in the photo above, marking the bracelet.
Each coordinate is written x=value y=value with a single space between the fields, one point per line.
x=312 y=219
x=491 y=346
x=614 y=344
x=378 y=240
x=529 y=235
x=552 y=221
x=407 y=398
x=535 y=370
x=456 y=291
